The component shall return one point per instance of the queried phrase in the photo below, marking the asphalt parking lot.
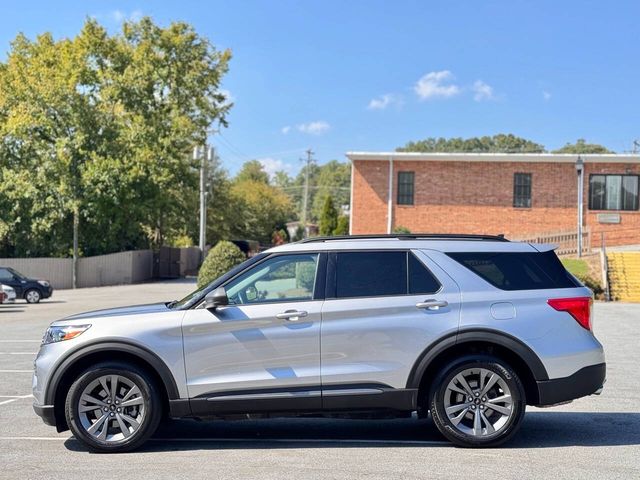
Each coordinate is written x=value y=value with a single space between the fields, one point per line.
x=594 y=437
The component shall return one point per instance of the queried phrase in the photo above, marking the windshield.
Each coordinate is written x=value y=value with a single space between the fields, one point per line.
x=195 y=296
x=18 y=275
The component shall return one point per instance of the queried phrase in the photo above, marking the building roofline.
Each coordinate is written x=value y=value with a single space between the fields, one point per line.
x=495 y=157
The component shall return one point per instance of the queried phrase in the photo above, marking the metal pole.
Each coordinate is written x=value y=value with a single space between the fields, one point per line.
x=580 y=170
x=198 y=154
x=390 y=198
x=305 y=200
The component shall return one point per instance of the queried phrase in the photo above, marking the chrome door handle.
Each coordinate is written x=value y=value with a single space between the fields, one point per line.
x=432 y=304
x=291 y=315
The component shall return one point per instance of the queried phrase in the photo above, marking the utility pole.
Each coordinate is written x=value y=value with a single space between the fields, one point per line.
x=308 y=162
x=199 y=154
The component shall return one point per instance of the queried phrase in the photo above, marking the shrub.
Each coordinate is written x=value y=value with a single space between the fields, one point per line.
x=221 y=258
x=592 y=283
x=343 y=226
x=401 y=230
x=305 y=275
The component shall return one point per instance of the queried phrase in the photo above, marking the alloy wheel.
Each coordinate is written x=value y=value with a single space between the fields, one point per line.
x=111 y=408
x=33 y=296
x=478 y=402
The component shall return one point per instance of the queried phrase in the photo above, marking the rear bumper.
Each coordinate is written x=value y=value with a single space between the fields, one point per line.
x=47 y=414
x=585 y=381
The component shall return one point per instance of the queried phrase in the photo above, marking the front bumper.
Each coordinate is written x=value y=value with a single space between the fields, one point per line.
x=47 y=414
x=47 y=292
x=586 y=381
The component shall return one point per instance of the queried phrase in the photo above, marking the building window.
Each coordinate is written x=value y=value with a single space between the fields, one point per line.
x=522 y=190
x=405 y=188
x=613 y=192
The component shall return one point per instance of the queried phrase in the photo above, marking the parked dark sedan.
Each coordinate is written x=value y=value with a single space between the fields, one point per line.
x=28 y=288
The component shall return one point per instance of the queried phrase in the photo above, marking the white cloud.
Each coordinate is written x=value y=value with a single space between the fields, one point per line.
x=546 y=95
x=482 y=91
x=314 y=128
x=436 y=85
x=384 y=101
x=286 y=129
x=273 y=165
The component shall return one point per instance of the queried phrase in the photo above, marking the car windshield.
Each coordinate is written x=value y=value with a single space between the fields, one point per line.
x=199 y=293
x=17 y=274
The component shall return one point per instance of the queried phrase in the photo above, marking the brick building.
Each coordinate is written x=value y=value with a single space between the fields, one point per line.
x=515 y=194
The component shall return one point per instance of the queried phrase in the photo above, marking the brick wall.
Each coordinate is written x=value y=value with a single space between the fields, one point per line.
x=477 y=197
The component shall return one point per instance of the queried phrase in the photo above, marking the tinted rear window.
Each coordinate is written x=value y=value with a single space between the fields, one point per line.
x=369 y=274
x=420 y=278
x=373 y=274
x=516 y=270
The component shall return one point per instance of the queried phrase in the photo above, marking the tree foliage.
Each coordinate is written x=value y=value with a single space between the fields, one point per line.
x=220 y=259
x=100 y=127
x=581 y=146
x=500 y=143
x=328 y=218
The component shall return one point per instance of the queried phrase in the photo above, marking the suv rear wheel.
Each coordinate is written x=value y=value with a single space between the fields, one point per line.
x=478 y=401
x=113 y=407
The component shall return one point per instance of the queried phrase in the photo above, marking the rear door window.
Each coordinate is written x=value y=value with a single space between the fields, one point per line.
x=376 y=274
x=517 y=270
x=371 y=274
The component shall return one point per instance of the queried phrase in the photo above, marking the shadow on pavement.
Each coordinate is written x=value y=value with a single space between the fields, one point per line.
x=539 y=430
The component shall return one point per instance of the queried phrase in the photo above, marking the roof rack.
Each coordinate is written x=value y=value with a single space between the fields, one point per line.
x=410 y=236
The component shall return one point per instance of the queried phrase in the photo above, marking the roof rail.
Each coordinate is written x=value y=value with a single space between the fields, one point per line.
x=410 y=236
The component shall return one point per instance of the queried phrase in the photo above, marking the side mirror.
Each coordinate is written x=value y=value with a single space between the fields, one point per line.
x=217 y=298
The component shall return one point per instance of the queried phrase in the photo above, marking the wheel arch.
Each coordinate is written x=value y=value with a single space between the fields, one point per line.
x=519 y=356
x=78 y=361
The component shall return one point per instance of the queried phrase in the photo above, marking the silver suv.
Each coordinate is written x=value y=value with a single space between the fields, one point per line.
x=470 y=329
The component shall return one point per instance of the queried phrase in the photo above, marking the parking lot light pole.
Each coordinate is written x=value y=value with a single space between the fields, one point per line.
x=580 y=171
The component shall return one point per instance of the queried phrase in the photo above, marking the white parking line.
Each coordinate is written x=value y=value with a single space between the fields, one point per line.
x=16 y=399
x=267 y=440
x=16 y=371
x=18 y=353
x=21 y=341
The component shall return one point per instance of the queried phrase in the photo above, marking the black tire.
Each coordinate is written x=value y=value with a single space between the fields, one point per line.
x=33 y=295
x=454 y=433
x=152 y=403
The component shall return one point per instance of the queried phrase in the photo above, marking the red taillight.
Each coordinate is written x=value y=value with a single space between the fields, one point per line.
x=578 y=307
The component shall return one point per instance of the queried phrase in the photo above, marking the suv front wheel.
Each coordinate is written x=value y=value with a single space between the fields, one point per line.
x=113 y=407
x=478 y=401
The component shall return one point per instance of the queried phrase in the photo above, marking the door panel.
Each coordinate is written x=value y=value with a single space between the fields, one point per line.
x=248 y=348
x=267 y=341
x=378 y=339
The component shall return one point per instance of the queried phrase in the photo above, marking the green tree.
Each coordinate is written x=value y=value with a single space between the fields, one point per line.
x=581 y=146
x=254 y=171
x=96 y=136
x=259 y=209
x=220 y=259
x=342 y=228
x=500 y=143
x=400 y=229
x=334 y=179
x=328 y=218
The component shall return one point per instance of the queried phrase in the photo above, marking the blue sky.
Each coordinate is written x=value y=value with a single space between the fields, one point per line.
x=336 y=76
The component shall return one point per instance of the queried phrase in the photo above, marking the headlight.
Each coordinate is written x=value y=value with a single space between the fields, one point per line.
x=44 y=283
x=65 y=332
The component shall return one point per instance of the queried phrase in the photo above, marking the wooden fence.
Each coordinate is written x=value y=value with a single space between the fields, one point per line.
x=567 y=241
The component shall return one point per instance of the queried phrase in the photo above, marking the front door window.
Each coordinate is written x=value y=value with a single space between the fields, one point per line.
x=282 y=278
